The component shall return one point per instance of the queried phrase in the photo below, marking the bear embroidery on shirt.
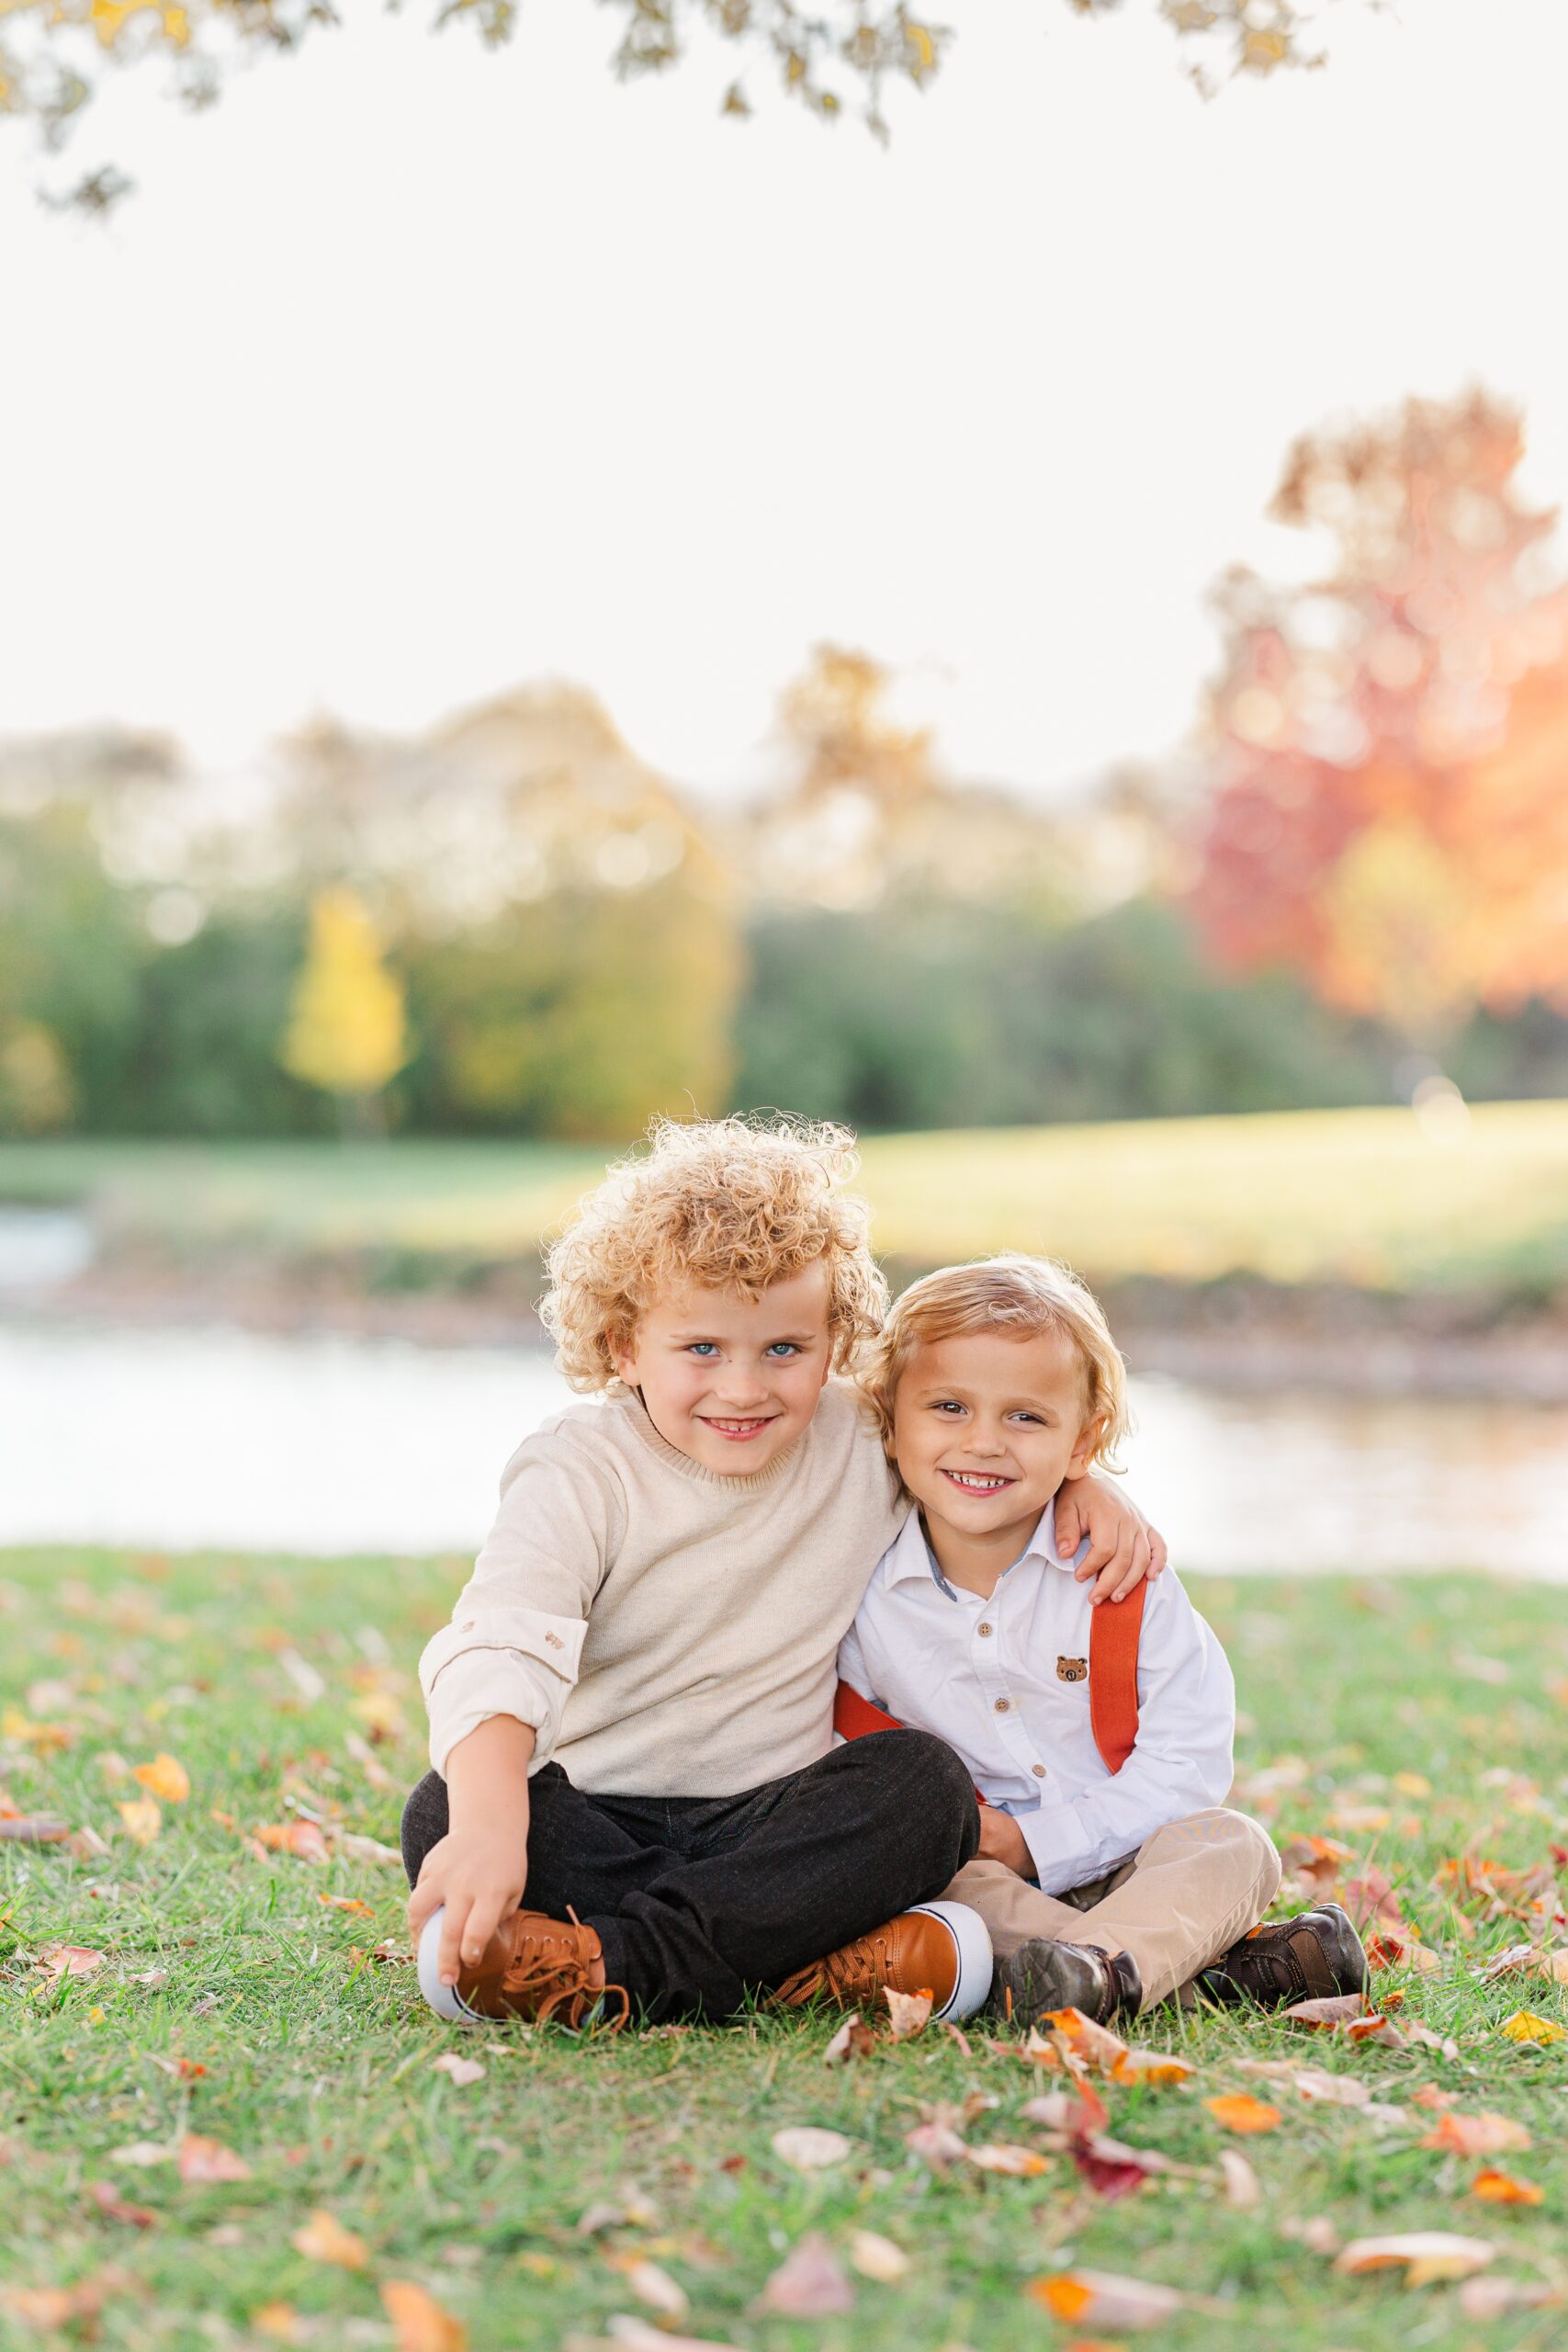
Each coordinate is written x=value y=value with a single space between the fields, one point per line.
x=1072 y=1670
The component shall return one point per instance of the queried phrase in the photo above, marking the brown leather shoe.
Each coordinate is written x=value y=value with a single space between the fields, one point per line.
x=536 y=1967
x=1309 y=1958
x=934 y=1949
x=1045 y=1974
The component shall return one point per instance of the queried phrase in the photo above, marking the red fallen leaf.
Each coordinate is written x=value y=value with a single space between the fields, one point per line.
x=733 y=2163
x=189 y=2070
x=1111 y=2168
x=808 y=2284
x=113 y=2207
x=300 y=1839
x=203 y=2160
x=1393 y=1949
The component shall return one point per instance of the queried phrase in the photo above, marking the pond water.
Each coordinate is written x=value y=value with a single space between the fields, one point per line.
x=188 y=1438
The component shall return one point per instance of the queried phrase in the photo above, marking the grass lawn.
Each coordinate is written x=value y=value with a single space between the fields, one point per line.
x=235 y=2001
x=1365 y=1197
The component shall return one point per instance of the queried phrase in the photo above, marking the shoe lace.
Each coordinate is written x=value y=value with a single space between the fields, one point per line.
x=556 y=1967
x=848 y=1969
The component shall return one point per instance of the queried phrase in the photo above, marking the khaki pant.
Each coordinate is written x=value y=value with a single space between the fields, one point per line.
x=1175 y=1904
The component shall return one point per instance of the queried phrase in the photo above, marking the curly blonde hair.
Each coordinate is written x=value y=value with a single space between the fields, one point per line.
x=736 y=1203
x=1018 y=1299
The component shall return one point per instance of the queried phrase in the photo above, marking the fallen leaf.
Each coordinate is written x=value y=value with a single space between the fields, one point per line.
x=1107 y=2301
x=809 y=2148
x=910 y=2012
x=1426 y=2254
x=636 y=2336
x=1243 y=2187
x=1528 y=1959
x=1021 y=2163
x=369 y=1850
x=346 y=1903
x=461 y=2070
x=324 y=2239
x=808 y=2284
x=143 y=2155
x=1444 y=2043
x=1502 y=2189
x=165 y=1777
x=280 y=2321
x=1338 y=2009
x=70 y=1959
x=1486 y=2299
x=1476 y=2135
x=1079 y=2037
x=419 y=2322
x=303 y=1839
x=853 y=2040
x=1315 y=2231
x=1153 y=2066
x=1374 y=2029
x=34 y=1828
x=1371 y=1896
x=654 y=2287
x=875 y=2256
x=1393 y=1949
x=142 y=1819
x=203 y=2160
x=936 y=2144
x=1239 y=2112
x=1111 y=2168
x=1525 y=2025
x=113 y=2207
x=15 y=1726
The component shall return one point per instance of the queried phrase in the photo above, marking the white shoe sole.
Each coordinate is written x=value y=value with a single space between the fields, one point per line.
x=972 y=1977
x=445 y=1998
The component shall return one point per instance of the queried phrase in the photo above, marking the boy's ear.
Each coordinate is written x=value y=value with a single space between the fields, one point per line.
x=1087 y=1446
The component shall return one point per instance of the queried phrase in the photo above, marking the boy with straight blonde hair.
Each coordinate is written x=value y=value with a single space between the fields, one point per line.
x=631 y=1710
x=1109 y=1872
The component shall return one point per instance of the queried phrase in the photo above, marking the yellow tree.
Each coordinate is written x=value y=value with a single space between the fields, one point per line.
x=345 y=1032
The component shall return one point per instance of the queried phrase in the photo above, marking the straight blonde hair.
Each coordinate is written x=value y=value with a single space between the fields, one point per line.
x=1016 y=1298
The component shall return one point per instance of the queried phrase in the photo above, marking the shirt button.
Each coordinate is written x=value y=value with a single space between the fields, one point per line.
x=982 y=1629
x=1002 y=1706
x=1038 y=1770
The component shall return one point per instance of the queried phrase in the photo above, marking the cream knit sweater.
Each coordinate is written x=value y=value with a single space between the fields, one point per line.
x=670 y=1632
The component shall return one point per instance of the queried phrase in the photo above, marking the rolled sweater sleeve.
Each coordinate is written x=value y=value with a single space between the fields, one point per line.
x=514 y=1644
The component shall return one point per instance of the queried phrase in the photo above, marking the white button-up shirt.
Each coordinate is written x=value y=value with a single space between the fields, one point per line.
x=1003 y=1681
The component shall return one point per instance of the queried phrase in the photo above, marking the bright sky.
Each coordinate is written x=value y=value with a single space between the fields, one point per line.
x=412 y=371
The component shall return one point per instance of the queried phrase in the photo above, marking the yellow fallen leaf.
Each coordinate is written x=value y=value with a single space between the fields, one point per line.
x=21 y=1728
x=1525 y=2025
x=875 y=2256
x=141 y=1817
x=419 y=2322
x=1412 y=1785
x=165 y=1777
x=324 y=2239
x=1239 y=2112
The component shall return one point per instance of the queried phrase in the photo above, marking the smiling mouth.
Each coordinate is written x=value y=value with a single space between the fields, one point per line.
x=739 y=1430
x=973 y=1482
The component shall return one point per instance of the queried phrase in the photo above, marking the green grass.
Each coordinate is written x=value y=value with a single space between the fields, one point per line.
x=1370 y=1198
x=272 y=2034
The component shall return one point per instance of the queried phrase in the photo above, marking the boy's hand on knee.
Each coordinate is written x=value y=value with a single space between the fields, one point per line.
x=477 y=1875
x=1122 y=1547
x=1001 y=1840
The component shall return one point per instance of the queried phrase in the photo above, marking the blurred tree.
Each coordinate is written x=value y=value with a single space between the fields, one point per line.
x=345 y=1029
x=53 y=50
x=1390 y=742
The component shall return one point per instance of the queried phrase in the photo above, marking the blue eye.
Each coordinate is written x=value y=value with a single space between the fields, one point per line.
x=702 y=1348
x=783 y=1348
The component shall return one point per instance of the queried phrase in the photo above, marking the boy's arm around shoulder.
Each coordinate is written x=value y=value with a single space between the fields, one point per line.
x=1123 y=1547
x=515 y=1644
x=1181 y=1763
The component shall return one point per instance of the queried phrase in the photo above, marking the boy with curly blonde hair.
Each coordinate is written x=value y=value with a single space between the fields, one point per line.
x=631 y=1709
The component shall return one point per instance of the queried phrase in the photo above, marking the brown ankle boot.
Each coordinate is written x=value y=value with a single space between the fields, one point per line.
x=536 y=1967
x=940 y=1947
x=1311 y=1957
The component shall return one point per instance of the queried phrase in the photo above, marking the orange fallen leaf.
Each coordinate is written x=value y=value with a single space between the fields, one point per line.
x=1426 y=2255
x=1099 y=2296
x=1022 y=2163
x=141 y=1817
x=324 y=2239
x=1153 y=2066
x=1496 y=2188
x=165 y=1777
x=278 y=2320
x=115 y=2208
x=1079 y=2037
x=346 y=1903
x=303 y=1839
x=419 y=2322
x=1476 y=2135
x=203 y=2161
x=1239 y=2112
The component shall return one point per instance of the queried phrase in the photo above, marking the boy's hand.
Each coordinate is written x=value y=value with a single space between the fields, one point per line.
x=479 y=1873
x=1122 y=1547
x=1001 y=1840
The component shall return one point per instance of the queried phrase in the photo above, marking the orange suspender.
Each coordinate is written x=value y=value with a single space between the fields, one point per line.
x=1113 y=1633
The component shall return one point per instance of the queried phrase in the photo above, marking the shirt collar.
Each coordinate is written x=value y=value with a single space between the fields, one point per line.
x=911 y=1558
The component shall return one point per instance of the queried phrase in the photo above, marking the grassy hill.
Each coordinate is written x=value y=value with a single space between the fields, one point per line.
x=1370 y=1198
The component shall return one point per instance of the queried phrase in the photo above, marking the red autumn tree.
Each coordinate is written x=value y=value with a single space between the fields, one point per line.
x=1390 y=743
